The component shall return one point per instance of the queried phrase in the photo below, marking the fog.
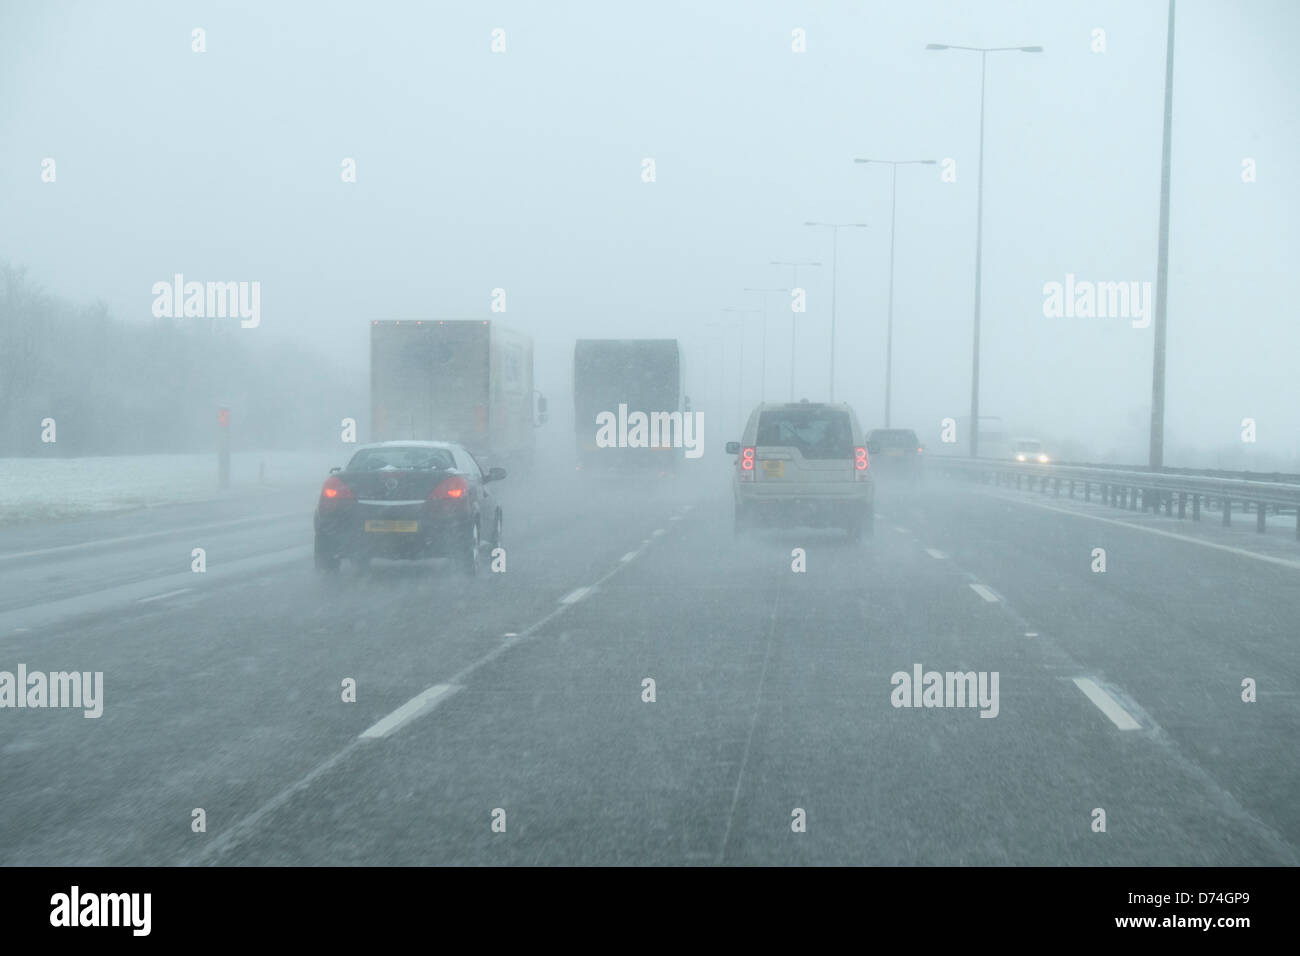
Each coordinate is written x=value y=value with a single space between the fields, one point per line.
x=522 y=170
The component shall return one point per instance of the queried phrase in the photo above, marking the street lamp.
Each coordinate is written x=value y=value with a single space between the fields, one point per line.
x=794 y=284
x=979 y=230
x=835 y=228
x=893 y=164
x=762 y=374
x=740 y=387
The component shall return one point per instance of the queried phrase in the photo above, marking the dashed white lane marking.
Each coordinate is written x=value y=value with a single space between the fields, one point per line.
x=244 y=828
x=657 y=532
x=1106 y=704
x=417 y=706
x=937 y=555
x=1138 y=527
x=629 y=556
x=985 y=592
x=901 y=530
x=574 y=596
x=159 y=597
x=675 y=518
x=1031 y=633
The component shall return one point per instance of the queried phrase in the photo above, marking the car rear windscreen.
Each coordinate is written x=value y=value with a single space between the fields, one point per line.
x=894 y=437
x=402 y=457
x=815 y=432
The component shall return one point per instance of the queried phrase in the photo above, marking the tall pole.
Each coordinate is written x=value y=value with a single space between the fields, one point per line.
x=889 y=328
x=1157 y=459
x=979 y=252
x=835 y=259
x=794 y=285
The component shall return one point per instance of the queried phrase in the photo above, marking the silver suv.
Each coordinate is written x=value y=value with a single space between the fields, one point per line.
x=803 y=464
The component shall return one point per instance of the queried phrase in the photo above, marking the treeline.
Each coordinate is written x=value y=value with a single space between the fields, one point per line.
x=113 y=387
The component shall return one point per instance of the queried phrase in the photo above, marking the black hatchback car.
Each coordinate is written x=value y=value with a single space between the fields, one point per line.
x=408 y=499
x=895 y=450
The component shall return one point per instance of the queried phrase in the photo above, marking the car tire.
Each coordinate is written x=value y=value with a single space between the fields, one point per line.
x=467 y=553
x=326 y=562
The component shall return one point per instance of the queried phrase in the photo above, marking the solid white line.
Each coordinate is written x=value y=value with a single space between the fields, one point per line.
x=984 y=592
x=1164 y=534
x=937 y=555
x=574 y=596
x=629 y=556
x=1106 y=704
x=10 y=555
x=159 y=597
x=417 y=706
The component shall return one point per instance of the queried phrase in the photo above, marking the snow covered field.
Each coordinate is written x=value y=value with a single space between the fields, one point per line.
x=34 y=489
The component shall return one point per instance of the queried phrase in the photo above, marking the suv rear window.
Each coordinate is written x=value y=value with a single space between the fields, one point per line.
x=403 y=457
x=815 y=432
x=894 y=438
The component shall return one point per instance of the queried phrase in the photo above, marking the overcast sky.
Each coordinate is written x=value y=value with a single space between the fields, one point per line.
x=523 y=170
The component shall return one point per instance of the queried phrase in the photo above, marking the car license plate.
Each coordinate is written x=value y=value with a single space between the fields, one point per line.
x=773 y=469
x=400 y=526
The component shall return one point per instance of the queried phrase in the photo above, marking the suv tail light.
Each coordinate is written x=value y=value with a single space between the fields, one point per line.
x=333 y=493
x=747 y=464
x=860 y=464
x=454 y=487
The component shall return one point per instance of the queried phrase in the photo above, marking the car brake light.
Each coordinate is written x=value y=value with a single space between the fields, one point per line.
x=453 y=487
x=860 y=463
x=747 y=464
x=333 y=492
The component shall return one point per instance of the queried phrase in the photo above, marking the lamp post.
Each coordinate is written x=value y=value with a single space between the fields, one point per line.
x=835 y=228
x=893 y=165
x=979 y=230
x=794 y=284
x=740 y=387
x=762 y=375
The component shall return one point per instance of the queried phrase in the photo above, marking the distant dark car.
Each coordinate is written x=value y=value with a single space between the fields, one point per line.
x=895 y=450
x=408 y=499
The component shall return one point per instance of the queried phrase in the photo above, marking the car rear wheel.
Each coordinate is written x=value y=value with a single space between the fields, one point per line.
x=467 y=557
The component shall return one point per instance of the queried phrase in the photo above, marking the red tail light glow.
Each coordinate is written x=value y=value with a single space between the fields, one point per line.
x=747 y=464
x=860 y=463
x=453 y=487
x=333 y=492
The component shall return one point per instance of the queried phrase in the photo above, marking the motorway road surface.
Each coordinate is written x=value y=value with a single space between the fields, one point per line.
x=518 y=697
